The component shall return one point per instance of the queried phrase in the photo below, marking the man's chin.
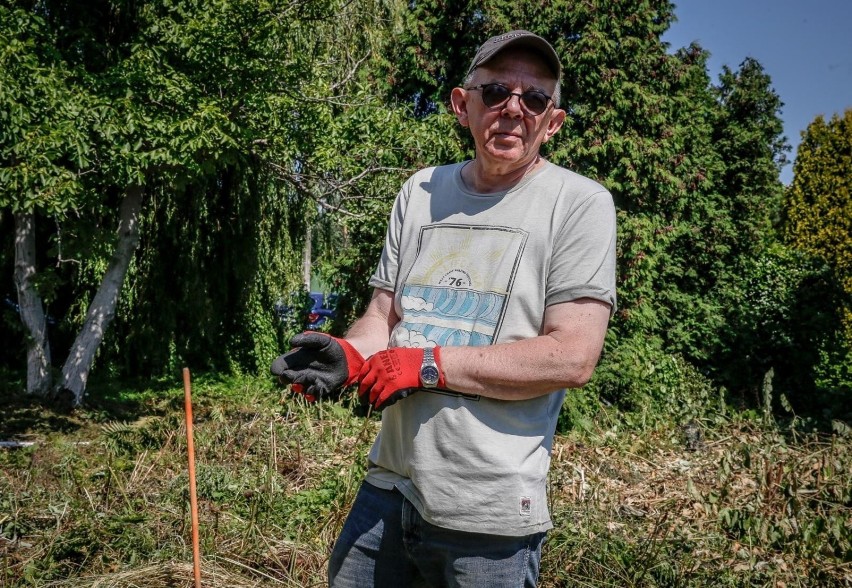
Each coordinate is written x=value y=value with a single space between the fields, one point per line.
x=506 y=154
x=511 y=148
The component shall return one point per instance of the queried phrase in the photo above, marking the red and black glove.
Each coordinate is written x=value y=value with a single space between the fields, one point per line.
x=393 y=374
x=318 y=365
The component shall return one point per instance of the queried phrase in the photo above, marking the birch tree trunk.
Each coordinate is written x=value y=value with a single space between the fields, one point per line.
x=31 y=308
x=75 y=372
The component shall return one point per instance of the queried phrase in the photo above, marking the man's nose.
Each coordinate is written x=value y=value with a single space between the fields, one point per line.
x=513 y=108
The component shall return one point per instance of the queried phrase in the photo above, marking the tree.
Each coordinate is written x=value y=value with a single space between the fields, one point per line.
x=748 y=135
x=155 y=113
x=245 y=137
x=209 y=129
x=758 y=327
x=819 y=202
x=818 y=228
x=44 y=152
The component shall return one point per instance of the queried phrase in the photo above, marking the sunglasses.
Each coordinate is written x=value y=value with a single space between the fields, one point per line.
x=493 y=95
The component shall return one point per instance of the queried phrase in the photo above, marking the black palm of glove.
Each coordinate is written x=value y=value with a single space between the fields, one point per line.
x=318 y=366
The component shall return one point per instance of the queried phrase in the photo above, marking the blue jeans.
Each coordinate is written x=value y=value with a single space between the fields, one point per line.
x=386 y=543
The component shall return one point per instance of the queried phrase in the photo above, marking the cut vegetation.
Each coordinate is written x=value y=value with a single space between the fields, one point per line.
x=101 y=497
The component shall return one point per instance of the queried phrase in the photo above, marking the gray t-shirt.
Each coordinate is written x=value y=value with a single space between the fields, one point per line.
x=479 y=269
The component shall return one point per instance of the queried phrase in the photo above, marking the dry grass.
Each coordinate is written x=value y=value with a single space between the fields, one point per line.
x=99 y=501
x=745 y=507
x=167 y=575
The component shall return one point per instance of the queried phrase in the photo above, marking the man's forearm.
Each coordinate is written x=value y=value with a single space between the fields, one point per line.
x=564 y=357
x=515 y=371
x=371 y=332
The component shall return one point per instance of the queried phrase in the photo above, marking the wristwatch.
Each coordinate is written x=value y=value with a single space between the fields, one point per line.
x=429 y=374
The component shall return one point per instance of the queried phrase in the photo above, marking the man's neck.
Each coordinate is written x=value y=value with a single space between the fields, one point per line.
x=487 y=181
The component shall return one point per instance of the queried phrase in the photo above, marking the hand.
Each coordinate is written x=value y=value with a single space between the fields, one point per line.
x=318 y=365
x=393 y=374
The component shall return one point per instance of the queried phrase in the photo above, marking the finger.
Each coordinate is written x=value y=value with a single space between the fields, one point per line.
x=293 y=376
x=294 y=359
x=317 y=390
x=300 y=389
x=298 y=359
x=311 y=340
x=364 y=372
x=365 y=383
x=303 y=386
x=376 y=393
x=280 y=365
x=395 y=397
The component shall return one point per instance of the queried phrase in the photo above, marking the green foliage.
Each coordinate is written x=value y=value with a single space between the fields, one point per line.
x=221 y=111
x=44 y=145
x=819 y=201
x=260 y=130
x=693 y=168
x=748 y=136
x=202 y=292
x=785 y=316
x=384 y=146
x=652 y=386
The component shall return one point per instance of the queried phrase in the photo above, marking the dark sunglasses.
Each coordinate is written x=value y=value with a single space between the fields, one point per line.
x=533 y=101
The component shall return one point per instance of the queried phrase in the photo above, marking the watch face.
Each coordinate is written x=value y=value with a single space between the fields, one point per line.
x=429 y=375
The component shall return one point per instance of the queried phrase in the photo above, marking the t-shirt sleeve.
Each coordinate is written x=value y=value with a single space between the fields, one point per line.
x=583 y=257
x=387 y=271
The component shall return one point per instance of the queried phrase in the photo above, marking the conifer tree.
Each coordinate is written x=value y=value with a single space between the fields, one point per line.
x=819 y=202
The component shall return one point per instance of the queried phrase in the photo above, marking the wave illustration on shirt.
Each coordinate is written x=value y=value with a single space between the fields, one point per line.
x=446 y=316
x=458 y=287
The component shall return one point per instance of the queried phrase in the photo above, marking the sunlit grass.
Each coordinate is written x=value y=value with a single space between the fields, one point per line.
x=101 y=497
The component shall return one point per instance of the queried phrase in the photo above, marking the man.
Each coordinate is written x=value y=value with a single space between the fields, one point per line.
x=492 y=296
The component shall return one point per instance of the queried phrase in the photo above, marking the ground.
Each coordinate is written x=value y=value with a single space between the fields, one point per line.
x=100 y=498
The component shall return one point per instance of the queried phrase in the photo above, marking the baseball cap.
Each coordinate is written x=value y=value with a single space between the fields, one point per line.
x=493 y=46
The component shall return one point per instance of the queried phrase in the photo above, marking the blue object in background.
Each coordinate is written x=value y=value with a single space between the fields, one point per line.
x=322 y=310
x=308 y=313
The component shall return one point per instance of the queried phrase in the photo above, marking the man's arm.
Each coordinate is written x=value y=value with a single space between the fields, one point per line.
x=563 y=356
x=371 y=332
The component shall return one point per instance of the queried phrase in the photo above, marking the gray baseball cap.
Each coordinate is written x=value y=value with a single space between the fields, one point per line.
x=493 y=46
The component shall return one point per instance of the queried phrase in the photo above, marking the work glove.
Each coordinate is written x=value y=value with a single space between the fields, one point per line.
x=393 y=374
x=318 y=365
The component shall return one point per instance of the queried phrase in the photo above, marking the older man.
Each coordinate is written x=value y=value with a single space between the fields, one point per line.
x=492 y=296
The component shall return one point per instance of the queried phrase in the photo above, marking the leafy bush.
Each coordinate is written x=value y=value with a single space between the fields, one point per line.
x=786 y=318
x=650 y=385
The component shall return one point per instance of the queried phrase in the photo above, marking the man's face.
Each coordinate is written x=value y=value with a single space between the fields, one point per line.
x=508 y=136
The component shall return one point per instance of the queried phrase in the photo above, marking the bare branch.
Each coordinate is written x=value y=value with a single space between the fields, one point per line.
x=351 y=73
x=322 y=202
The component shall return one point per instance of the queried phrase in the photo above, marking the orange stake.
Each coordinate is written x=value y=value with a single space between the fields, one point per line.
x=193 y=501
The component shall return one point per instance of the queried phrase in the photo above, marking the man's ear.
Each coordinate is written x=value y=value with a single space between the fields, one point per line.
x=557 y=117
x=458 y=100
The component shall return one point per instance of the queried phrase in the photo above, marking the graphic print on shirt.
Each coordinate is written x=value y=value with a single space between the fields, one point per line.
x=457 y=290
